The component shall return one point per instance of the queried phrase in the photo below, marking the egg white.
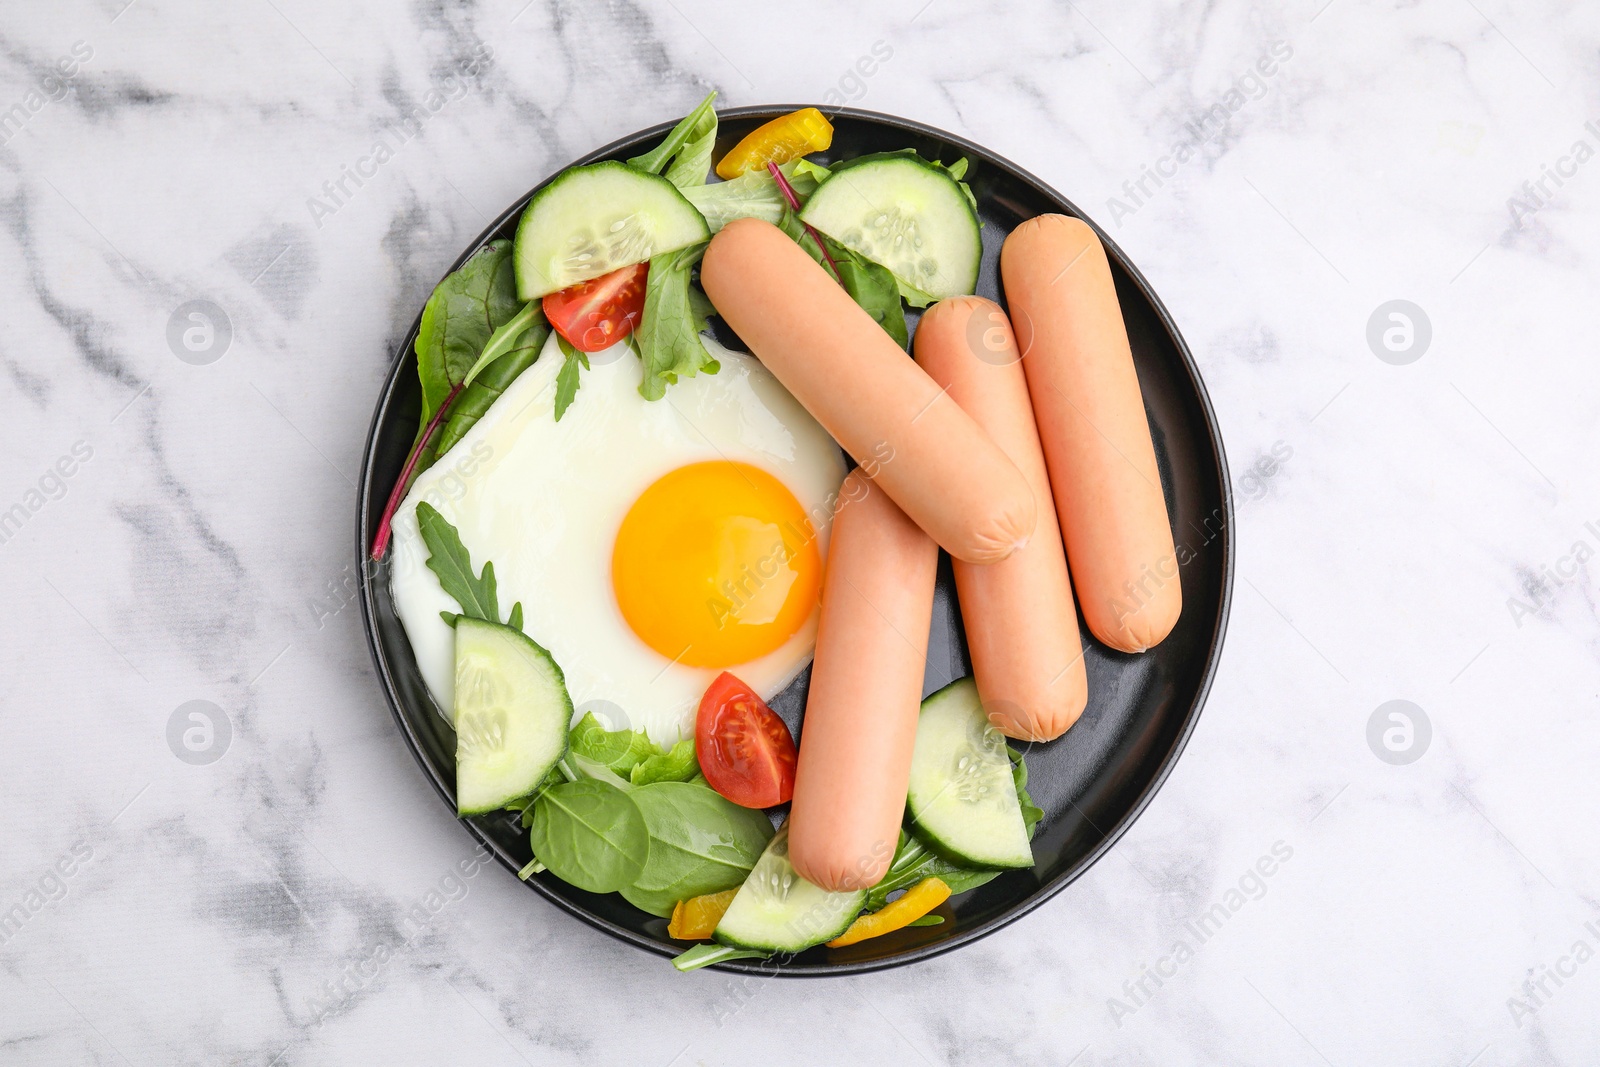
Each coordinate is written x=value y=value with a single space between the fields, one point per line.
x=543 y=501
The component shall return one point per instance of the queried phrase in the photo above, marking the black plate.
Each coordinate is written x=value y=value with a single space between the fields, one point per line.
x=1094 y=781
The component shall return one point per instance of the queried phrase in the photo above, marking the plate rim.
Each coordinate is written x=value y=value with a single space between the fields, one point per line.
x=1046 y=891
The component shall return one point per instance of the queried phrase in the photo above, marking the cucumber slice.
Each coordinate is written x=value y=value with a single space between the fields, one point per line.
x=778 y=911
x=906 y=214
x=963 y=798
x=591 y=220
x=511 y=715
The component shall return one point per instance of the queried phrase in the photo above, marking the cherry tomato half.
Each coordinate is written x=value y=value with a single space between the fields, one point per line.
x=745 y=750
x=600 y=312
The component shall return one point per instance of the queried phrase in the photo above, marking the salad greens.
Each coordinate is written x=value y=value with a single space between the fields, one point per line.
x=504 y=339
x=754 y=194
x=705 y=955
x=692 y=138
x=618 y=750
x=700 y=842
x=491 y=381
x=461 y=315
x=668 y=335
x=464 y=311
x=448 y=558
x=677 y=764
x=914 y=860
x=590 y=834
x=567 y=378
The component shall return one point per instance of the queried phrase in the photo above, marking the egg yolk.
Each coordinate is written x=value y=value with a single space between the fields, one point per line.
x=716 y=564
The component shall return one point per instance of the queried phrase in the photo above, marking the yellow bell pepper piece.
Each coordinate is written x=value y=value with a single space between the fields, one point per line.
x=913 y=905
x=786 y=137
x=696 y=918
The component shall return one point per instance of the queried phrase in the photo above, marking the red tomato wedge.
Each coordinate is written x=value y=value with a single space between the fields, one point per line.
x=745 y=750
x=600 y=312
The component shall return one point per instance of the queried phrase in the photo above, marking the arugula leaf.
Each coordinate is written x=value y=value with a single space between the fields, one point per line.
x=678 y=765
x=590 y=835
x=567 y=379
x=668 y=334
x=700 y=843
x=620 y=750
x=927 y=920
x=872 y=286
x=458 y=320
x=686 y=137
x=449 y=559
x=492 y=381
x=515 y=620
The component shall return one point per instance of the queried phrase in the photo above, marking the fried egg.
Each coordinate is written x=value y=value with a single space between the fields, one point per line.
x=652 y=544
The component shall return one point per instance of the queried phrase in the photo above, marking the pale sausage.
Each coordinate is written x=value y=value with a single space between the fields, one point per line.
x=860 y=723
x=926 y=453
x=1022 y=627
x=1092 y=424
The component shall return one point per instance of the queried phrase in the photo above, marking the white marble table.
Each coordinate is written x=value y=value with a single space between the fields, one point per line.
x=1412 y=527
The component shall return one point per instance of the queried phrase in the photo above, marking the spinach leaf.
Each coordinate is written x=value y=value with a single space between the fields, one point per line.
x=691 y=137
x=590 y=835
x=677 y=765
x=620 y=750
x=448 y=558
x=870 y=285
x=668 y=334
x=700 y=843
x=458 y=320
x=567 y=378
x=493 y=380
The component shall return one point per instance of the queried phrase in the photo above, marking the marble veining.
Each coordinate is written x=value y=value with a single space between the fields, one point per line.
x=216 y=848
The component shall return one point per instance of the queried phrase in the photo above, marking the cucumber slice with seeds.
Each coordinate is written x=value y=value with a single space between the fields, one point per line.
x=591 y=220
x=904 y=213
x=776 y=910
x=511 y=715
x=962 y=797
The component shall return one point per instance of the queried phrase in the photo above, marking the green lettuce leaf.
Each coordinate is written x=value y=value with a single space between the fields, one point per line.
x=754 y=194
x=677 y=765
x=668 y=334
x=620 y=750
